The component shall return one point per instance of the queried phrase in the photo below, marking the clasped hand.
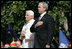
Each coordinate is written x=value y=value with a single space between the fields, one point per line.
x=39 y=23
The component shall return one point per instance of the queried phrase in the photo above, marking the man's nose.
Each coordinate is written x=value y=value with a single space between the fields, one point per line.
x=38 y=8
x=25 y=16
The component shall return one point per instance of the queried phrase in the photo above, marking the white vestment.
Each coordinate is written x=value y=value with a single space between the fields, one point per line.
x=28 y=35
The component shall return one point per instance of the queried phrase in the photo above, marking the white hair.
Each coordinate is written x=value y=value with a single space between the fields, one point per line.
x=31 y=12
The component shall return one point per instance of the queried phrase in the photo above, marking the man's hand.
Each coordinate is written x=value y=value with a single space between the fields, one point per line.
x=22 y=36
x=28 y=40
x=47 y=46
x=39 y=23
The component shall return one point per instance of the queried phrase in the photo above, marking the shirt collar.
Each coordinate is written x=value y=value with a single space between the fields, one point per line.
x=43 y=14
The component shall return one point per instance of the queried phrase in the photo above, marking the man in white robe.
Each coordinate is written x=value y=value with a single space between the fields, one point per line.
x=26 y=35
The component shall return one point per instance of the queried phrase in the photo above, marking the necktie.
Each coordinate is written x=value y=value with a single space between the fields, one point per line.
x=39 y=18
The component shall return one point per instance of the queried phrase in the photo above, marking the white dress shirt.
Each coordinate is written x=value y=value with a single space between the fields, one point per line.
x=42 y=15
x=28 y=35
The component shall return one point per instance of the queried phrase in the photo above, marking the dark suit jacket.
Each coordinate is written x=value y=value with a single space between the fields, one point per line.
x=43 y=33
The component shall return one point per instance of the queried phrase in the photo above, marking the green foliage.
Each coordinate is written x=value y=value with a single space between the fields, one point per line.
x=12 y=12
x=59 y=10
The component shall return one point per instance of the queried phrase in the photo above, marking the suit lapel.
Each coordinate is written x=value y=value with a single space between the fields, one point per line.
x=43 y=17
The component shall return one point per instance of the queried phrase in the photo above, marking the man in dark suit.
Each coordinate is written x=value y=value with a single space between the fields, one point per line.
x=43 y=27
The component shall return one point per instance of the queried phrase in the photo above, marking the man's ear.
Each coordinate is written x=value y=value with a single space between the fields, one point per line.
x=44 y=9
